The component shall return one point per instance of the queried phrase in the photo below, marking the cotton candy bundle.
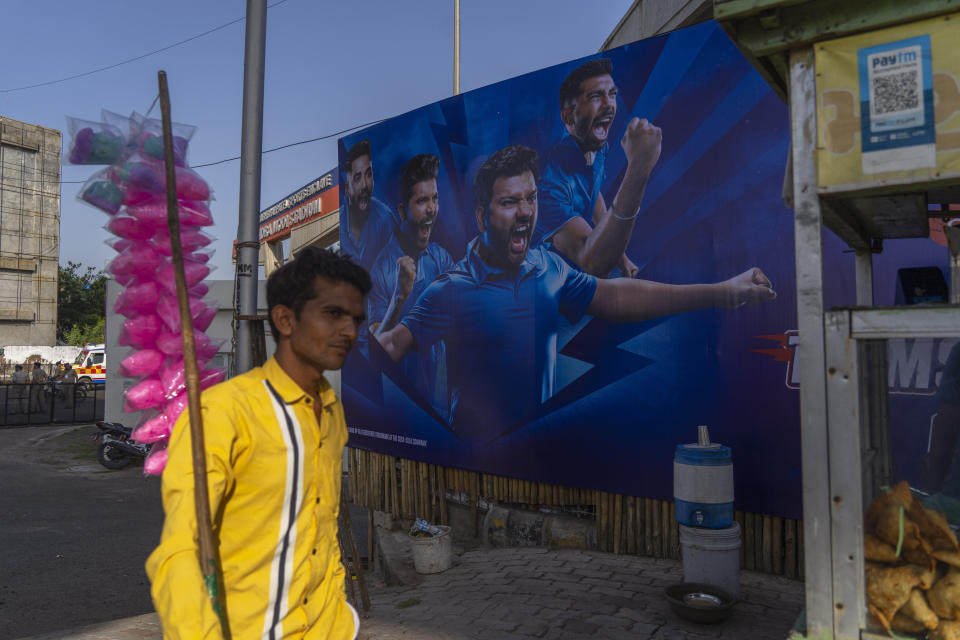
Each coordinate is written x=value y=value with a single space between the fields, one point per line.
x=132 y=191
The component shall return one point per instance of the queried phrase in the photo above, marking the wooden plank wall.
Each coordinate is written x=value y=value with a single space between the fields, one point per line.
x=625 y=524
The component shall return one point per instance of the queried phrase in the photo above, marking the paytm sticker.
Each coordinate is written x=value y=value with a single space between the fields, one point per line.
x=896 y=106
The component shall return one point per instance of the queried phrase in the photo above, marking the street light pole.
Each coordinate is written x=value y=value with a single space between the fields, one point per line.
x=251 y=147
x=456 y=47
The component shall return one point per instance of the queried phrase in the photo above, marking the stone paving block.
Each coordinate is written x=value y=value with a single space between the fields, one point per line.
x=531 y=584
x=609 y=622
x=579 y=626
x=550 y=601
x=507 y=623
x=560 y=576
x=594 y=605
x=533 y=629
x=605 y=583
x=591 y=573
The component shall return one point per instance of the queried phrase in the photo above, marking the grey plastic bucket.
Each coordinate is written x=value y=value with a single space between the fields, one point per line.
x=712 y=556
x=432 y=554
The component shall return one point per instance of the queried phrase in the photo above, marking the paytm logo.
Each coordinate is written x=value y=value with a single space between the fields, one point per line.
x=915 y=366
x=895 y=58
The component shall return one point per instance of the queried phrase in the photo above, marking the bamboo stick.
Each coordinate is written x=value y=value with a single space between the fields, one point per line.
x=739 y=518
x=674 y=533
x=442 y=490
x=657 y=541
x=647 y=527
x=665 y=521
x=777 y=546
x=767 y=544
x=207 y=551
x=394 y=490
x=424 y=490
x=617 y=522
x=474 y=500
x=801 y=566
x=757 y=542
x=790 y=548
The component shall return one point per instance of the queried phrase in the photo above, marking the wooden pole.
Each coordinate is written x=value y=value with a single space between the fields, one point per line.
x=347 y=531
x=207 y=547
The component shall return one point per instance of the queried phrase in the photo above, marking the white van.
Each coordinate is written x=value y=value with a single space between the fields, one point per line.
x=91 y=365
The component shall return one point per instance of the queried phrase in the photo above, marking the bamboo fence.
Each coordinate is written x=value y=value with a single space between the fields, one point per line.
x=625 y=524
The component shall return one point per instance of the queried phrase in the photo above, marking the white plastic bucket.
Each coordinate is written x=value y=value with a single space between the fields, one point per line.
x=712 y=556
x=432 y=554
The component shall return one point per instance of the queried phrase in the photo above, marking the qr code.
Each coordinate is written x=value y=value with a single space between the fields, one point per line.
x=896 y=92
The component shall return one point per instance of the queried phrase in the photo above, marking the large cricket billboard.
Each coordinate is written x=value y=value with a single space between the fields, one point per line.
x=574 y=268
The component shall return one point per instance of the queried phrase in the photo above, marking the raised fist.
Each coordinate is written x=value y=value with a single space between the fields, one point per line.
x=641 y=143
x=406 y=275
x=750 y=287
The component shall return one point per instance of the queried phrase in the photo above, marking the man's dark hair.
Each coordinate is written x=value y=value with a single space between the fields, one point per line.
x=570 y=89
x=292 y=285
x=425 y=166
x=358 y=150
x=36 y=365
x=17 y=367
x=505 y=163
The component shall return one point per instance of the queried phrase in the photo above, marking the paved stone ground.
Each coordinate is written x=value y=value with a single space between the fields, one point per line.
x=507 y=594
x=510 y=594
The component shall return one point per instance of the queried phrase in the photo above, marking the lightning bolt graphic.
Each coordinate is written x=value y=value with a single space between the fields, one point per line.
x=598 y=344
x=781 y=353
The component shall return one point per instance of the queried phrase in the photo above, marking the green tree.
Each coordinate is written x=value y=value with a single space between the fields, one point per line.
x=81 y=304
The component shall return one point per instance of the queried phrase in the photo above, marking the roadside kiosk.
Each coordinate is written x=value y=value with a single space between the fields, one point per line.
x=874 y=101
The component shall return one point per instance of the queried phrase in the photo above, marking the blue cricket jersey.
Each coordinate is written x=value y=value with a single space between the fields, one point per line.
x=374 y=234
x=500 y=328
x=568 y=186
x=425 y=370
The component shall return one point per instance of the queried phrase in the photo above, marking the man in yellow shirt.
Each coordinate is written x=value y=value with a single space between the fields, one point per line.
x=274 y=441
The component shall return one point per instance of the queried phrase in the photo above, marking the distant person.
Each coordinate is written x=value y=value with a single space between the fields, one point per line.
x=369 y=222
x=498 y=308
x=19 y=379
x=406 y=266
x=38 y=378
x=274 y=443
x=69 y=383
x=575 y=221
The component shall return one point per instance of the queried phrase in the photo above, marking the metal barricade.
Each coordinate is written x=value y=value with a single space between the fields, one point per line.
x=54 y=402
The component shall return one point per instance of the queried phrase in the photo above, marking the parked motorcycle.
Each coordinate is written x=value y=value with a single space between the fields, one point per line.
x=115 y=448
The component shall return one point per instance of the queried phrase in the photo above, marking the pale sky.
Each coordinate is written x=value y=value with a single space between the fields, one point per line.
x=329 y=66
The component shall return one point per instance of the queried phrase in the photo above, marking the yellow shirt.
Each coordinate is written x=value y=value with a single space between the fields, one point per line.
x=273 y=471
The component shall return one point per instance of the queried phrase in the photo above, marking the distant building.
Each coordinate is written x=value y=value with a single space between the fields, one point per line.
x=29 y=232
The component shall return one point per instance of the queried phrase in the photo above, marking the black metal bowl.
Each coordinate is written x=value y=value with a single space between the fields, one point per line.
x=698 y=602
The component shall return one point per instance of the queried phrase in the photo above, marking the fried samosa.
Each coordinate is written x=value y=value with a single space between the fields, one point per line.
x=934 y=527
x=889 y=588
x=944 y=597
x=948 y=630
x=916 y=608
x=877 y=550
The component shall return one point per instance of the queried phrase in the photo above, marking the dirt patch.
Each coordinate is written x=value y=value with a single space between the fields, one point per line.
x=67 y=448
x=72 y=448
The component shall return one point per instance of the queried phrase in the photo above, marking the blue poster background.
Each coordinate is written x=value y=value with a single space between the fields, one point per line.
x=629 y=393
